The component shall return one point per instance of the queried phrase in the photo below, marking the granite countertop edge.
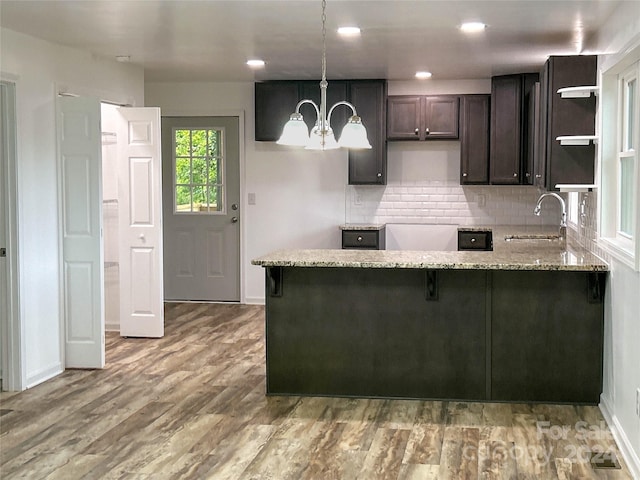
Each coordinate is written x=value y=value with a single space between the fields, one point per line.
x=539 y=259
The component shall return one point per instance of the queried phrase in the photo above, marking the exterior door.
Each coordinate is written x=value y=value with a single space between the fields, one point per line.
x=201 y=193
x=140 y=223
x=80 y=170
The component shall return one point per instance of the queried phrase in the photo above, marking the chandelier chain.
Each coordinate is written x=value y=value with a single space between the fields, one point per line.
x=324 y=40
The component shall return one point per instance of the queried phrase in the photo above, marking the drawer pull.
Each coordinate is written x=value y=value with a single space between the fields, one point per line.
x=359 y=238
x=473 y=240
x=416 y=131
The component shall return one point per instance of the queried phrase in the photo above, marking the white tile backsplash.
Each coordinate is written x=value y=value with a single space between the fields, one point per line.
x=439 y=202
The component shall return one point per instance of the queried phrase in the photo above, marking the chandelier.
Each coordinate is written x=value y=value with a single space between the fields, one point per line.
x=295 y=131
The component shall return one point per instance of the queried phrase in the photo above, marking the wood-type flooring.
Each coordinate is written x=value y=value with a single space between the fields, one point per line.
x=192 y=405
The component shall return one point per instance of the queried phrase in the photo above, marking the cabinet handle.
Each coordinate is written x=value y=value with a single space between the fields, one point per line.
x=416 y=131
x=473 y=240
x=515 y=174
x=538 y=176
x=527 y=175
x=359 y=238
x=426 y=132
x=464 y=174
x=379 y=174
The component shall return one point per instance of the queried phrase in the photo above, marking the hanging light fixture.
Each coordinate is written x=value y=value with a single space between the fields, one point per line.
x=295 y=131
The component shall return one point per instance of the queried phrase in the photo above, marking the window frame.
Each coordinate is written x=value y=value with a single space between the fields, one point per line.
x=616 y=71
x=221 y=173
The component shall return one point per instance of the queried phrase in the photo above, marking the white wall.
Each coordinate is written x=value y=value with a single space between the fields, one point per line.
x=622 y=303
x=39 y=70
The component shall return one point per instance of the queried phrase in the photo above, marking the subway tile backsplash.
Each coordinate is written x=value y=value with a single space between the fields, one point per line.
x=436 y=202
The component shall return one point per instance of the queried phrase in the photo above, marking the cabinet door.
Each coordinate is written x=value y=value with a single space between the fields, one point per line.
x=540 y=159
x=369 y=167
x=441 y=117
x=474 y=145
x=336 y=92
x=275 y=102
x=404 y=114
x=506 y=124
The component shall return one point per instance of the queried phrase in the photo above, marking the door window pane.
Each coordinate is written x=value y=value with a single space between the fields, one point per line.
x=198 y=163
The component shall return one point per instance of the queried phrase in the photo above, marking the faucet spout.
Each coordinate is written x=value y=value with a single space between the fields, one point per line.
x=563 y=217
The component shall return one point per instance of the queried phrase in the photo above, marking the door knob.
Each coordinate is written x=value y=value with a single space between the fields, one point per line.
x=234 y=206
x=234 y=219
x=416 y=131
x=426 y=132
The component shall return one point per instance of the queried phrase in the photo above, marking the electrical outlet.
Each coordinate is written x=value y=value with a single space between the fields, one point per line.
x=252 y=199
x=357 y=199
x=481 y=200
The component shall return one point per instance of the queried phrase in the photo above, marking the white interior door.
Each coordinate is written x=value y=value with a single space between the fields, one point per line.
x=80 y=170
x=140 y=228
x=202 y=213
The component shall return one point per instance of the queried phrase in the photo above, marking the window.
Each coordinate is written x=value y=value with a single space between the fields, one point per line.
x=198 y=159
x=620 y=178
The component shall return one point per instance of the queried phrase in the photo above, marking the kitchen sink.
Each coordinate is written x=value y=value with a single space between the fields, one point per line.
x=549 y=238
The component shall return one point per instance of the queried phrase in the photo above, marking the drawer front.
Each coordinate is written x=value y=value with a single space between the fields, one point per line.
x=360 y=239
x=475 y=241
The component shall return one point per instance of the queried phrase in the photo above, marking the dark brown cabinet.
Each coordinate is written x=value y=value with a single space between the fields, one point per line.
x=509 y=128
x=363 y=239
x=474 y=139
x=369 y=167
x=557 y=163
x=423 y=117
x=275 y=101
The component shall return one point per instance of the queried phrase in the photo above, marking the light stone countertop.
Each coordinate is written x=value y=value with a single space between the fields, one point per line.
x=361 y=226
x=513 y=255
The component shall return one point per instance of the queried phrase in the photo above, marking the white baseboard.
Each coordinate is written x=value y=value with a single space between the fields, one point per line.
x=112 y=327
x=254 y=300
x=629 y=455
x=43 y=375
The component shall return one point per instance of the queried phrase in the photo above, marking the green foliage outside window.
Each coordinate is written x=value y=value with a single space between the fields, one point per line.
x=198 y=176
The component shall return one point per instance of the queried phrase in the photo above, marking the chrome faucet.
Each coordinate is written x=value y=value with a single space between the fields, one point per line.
x=563 y=219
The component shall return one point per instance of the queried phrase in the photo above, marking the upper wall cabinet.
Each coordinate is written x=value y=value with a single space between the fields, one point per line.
x=369 y=167
x=509 y=129
x=562 y=158
x=275 y=101
x=422 y=117
x=474 y=139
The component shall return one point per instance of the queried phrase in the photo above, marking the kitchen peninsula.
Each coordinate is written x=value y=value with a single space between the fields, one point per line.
x=521 y=323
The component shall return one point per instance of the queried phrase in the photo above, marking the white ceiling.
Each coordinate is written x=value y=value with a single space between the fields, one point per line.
x=186 y=40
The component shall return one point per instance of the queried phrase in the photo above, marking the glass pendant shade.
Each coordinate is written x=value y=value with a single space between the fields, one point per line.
x=318 y=141
x=295 y=132
x=354 y=135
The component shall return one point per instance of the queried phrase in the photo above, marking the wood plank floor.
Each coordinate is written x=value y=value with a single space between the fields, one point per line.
x=192 y=405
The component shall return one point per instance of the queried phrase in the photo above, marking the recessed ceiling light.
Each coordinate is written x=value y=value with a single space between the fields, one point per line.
x=255 y=63
x=473 y=27
x=423 y=75
x=349 y=31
